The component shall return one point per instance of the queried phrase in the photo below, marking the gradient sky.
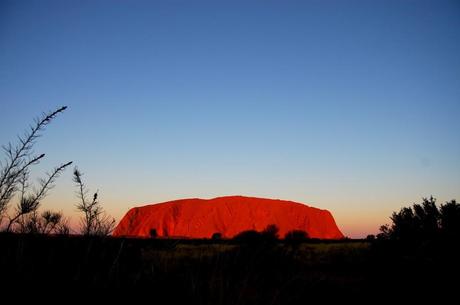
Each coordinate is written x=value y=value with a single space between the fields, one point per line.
x=350 y=106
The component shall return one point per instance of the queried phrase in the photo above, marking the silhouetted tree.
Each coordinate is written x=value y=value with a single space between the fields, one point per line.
x=153 y=233
x=404 y=226
x=423 y=222
x=450 y=219
x=95 y=220
x=427 y=218
x=385 y=232
x=14 y=174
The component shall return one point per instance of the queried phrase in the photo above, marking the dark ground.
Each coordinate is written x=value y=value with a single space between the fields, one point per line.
x=229 y=272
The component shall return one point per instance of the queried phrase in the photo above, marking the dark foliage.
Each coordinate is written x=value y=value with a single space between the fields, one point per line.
x=216 y=236
x=271 y=232
x=296 y=235
x=422 y=243
x=449 y=220
x=424 y=223
x=295 y=238
x=370 y=237
x=218 y=272
x=248 y=236
x=268 y=235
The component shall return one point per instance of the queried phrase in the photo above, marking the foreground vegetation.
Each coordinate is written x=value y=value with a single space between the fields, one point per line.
x=415 y=257
x=223 y=271
x=25 y=216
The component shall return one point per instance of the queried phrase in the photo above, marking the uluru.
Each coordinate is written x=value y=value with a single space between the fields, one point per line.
x=229 y=216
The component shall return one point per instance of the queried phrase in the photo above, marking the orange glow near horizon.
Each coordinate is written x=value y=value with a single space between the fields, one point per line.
x=350 y=227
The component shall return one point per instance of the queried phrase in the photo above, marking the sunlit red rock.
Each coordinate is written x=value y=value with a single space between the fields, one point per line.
x=201 y=218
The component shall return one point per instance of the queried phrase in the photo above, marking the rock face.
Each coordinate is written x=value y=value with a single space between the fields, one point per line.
x=201 y=218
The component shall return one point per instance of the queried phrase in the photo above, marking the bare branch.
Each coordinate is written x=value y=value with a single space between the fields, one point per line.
x=19 y=158
x=30 y=203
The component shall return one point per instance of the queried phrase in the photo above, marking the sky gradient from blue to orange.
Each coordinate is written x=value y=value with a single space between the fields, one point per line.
x=350 y=106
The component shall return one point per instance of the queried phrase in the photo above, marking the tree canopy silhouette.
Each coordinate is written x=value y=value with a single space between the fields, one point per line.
x=424 y=221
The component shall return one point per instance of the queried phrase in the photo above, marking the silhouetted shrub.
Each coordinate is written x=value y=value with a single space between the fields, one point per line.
x=248 y=236
x=370 y=237
x=271 y=232
x=296 y=235
x=153 y=233
x=216 y=236
x=95 y=220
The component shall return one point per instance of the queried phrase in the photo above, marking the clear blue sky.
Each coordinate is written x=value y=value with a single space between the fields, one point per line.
x=351 y=106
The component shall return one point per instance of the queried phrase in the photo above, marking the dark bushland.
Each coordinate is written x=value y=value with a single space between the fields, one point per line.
x=415 y=257
x=252 y=237
x=217 y=271
x=423 y=230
